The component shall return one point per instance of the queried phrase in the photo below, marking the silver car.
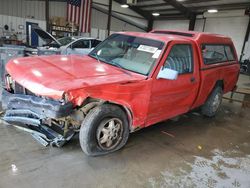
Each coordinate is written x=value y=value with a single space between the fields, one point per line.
x=67 y=45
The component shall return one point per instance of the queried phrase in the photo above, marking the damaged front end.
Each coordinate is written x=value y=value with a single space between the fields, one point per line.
x=49 y=121
x=46 y=119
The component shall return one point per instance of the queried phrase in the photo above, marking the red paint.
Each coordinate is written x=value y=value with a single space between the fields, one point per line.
x=149 y=100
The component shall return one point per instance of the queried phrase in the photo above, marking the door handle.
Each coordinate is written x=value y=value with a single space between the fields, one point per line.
x=192 y=79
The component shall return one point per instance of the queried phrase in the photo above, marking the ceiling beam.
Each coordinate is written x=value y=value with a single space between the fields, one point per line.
x=192 y=23
x=144 y=14
x=197 y=1
x=185 y=11
x=223 y=6
x=175 y=17
x=117 y=16
x=166 y=15
x=150 y=5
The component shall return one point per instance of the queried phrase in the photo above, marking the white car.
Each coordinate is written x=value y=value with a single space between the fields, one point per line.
x=78 y=45
x=67 y=45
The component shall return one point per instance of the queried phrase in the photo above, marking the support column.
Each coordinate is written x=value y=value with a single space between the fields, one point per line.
x=109 y=17
x=192 y=22
x=150 y=24
x=47 y=14
x=245 y=40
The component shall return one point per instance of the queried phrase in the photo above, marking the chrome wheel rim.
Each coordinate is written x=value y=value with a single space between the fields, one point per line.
x=216 y=103
x=109 y=133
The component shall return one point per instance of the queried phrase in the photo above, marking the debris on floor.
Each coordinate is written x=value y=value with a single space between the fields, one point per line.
x=199 y=147
x=171 y=135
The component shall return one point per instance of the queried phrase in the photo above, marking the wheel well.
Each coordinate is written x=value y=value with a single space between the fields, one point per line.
x=219 y=83
x=91 y=103
x=126 y=110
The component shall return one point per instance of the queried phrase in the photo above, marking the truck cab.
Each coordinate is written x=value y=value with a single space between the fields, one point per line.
x=128 y=82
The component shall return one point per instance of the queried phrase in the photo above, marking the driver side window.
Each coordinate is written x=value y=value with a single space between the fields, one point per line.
x=180 y=59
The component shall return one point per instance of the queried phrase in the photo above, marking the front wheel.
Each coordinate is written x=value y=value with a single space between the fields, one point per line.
x=213 y=103
x=104 y=130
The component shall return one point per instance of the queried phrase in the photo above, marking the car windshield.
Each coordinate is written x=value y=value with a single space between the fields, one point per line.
x=65 y=40
x=129 y=52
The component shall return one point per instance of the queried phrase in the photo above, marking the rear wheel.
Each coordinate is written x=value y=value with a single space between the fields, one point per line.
x=104 y=130
x=213 y=103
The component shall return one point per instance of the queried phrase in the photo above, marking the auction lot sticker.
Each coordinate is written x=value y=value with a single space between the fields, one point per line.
x=149 y=49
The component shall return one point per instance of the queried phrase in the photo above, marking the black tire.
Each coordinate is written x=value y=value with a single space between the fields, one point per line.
x=213 y=103
x=95 y=121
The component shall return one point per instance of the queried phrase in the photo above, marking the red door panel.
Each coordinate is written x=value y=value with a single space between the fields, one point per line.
x=170 y=98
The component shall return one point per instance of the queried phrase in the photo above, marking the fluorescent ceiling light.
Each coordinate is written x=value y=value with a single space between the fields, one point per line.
x=212 y=10
x=156 y=14
x=124 y=6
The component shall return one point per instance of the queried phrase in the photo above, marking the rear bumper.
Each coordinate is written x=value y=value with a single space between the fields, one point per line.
x=43 y=108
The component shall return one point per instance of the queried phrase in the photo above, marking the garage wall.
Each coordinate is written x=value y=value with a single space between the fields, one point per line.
x=116 y=25
x=31 y=8
x=229 y=23
x=23 y=8
x=58 y=9
x=247 y=49
x=172 y=24
x=99 y=26
x=199 y=24
x=17 y=12
x=14 y=22
x=233 y=27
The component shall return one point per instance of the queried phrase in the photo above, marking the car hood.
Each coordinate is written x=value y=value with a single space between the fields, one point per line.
x=51 y=76
x=47 y=37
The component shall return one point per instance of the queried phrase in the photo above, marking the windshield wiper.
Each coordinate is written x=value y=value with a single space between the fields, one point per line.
x=117 y=64
x=120 y=66
x=95 y=56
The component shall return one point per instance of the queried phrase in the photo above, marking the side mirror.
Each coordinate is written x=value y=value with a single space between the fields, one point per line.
x=168 y=74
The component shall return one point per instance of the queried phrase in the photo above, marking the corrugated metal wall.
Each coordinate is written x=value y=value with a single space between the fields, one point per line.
x=23 y=8
x=31 y=9
x=58 y=9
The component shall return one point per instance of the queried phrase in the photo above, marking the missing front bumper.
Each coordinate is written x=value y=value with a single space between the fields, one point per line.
x=29 y=113
x=45 y=108
x=28 y=121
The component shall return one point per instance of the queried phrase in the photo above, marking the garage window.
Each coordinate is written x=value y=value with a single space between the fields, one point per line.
x=213 y=53
x=180 y=59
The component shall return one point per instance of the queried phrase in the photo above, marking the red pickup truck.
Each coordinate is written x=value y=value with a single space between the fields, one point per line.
x=128 y=82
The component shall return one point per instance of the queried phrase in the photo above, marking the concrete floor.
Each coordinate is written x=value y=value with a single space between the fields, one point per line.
x=192 y=151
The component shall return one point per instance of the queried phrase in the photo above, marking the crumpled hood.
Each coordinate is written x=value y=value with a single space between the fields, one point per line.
x=51 y=76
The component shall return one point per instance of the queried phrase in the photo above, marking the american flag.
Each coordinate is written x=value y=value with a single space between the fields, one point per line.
x=79 y=12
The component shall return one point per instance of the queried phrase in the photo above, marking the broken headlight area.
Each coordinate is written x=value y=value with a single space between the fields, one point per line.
x=14 y=87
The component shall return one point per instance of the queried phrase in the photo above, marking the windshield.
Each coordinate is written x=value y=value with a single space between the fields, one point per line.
x=129 y=52
x=64 y=41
